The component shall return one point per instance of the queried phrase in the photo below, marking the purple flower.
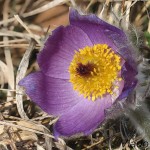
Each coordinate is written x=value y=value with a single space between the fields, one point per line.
x=84 y=68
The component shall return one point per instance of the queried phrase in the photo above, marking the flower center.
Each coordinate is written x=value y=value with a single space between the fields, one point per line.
x=93 y=71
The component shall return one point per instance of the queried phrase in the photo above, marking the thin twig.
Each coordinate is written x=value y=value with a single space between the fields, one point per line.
x=94 y=144
x=20 y=75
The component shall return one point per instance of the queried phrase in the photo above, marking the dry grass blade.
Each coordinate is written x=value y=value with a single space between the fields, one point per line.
x=28 y=30
x=6 y=89
x=7 y=21
x=7 y=132
x=8 y=54
x=39 y=147
x=48 y=141
x=24 y=128
x=15 y=45
x=13 y=41
x=20 y=74
x=3 y=73
x=3 y=146
x=45 y=7
x=27 y=3
x=139 y=16
x=125 y=18
x=10 y=68
x=73 y=3
x=17 y=34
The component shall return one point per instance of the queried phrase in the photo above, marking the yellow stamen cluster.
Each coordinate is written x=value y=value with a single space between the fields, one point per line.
x=93 y=71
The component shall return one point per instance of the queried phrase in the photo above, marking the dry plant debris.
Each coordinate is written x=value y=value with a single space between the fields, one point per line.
x=24 y=26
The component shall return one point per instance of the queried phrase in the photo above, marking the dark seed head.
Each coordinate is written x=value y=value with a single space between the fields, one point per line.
x=84 y=70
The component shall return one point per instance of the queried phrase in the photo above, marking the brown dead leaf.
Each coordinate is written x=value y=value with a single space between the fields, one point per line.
x=30 y=125
x=24 y=136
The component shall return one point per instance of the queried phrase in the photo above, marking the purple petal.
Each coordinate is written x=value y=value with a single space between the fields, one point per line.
x=82 y=118
x=54 y=96
x=102 y=32
x=96 y=25
x=130 y=81
x=86 y=115
x=55 y=58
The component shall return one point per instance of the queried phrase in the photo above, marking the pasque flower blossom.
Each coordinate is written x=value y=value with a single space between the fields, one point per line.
x=84 y=68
